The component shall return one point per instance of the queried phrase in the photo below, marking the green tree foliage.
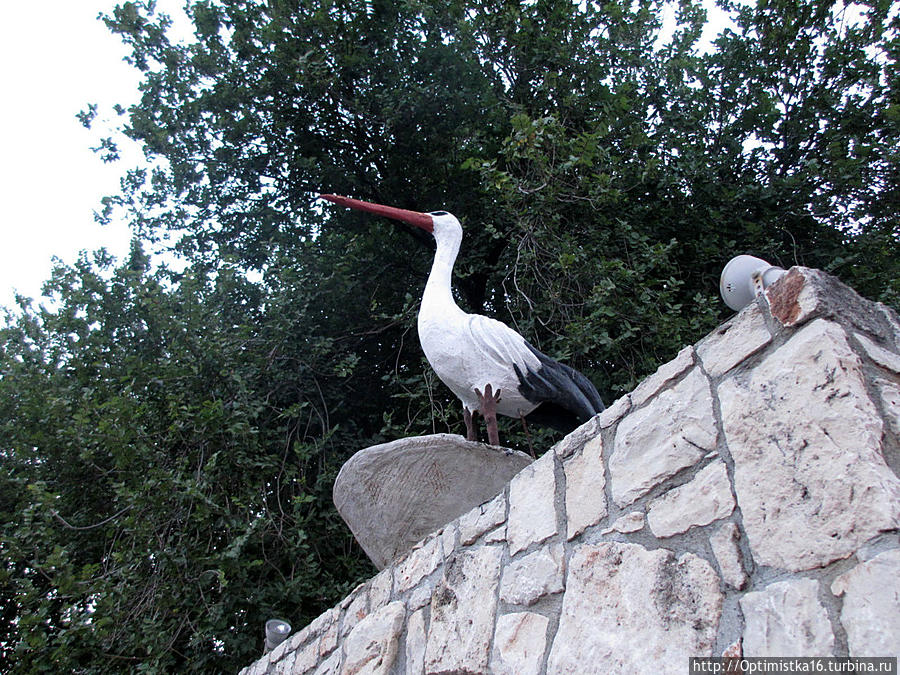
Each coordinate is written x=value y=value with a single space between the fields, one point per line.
x=169 y=440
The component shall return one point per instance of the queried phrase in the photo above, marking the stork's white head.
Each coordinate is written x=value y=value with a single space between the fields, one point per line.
x=445 y=227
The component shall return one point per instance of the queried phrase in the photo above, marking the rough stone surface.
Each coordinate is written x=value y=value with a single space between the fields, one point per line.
x=804 y=294
x=330 y=666
x=811 y=481
x=380 y=589
x=305 y=659
x=707 y=497
x=576 y=440
x=724 y=542
x=655 y=612
x=528 y=579
x=286 y=665
x=792 y=300
x=883 y=357
x=871 y=609
x=890 y=402
x=496 y=536
x=355 y=611
x=614 y=412
x=532 y=515
x=673 y=431
x=415 y=644
x=585 y=482
x=462 y=613
x=418 y=564
x=448 y=538
x=630 y=522
x=786 y=619
x=663 y=375
x=395 y=494
x=371 y=647
x=734 y=341
x=481 y=519
x=519 y=644
x=420 y=596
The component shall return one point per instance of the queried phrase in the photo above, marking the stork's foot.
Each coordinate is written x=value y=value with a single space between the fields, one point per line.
x=488 y=403
x=471 y=435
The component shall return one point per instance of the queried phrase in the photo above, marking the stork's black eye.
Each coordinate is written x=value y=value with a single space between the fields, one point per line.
x=439 y=213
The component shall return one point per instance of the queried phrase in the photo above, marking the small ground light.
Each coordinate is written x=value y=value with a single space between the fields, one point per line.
x=277 y=631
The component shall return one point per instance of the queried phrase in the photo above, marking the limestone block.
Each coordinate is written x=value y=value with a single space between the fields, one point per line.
x=786 y=619
x=616 y=411
x=419 y=564
x=415 y=644
x=481 y=519
x=724 y=543
x=892 y=320
x=871 y=611
x=285 y=666
x=395 y=494
x=809 y=474
x=527 y=580
x=673 y=431
x=795 y=297
x=575 y=440
x=630 y=522
x=734 y=341
x=705 y=498
x=519 y=644
x=371 y=647
x=380 y=589
x=627 y=609
x=448 y=538
x=883 y=357
x=462 y=613
x=663 y=375
x=804 y=294
x=532 y=514
x=496 y=536
x=890 y=402
x=330 y=666
x=420 y=596
x=585 y=483
x=306 y=658
x=356 y=609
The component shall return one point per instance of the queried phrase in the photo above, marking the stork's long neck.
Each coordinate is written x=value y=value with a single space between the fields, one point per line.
x=438 y=296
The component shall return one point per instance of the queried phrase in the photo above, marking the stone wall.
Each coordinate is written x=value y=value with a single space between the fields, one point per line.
x=744 y=499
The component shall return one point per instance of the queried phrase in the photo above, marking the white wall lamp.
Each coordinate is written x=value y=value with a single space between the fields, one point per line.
x=746 y=277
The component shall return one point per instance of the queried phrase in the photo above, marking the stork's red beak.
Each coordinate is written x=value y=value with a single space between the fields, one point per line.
x=422 y=220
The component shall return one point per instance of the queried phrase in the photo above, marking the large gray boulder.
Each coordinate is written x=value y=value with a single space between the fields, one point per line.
x=393 y=495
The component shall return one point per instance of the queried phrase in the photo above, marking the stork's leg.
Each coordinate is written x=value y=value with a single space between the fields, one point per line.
x=488 y=402
x=471 y=435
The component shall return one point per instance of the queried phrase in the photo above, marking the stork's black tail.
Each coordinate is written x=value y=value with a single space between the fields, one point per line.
x=566 y=398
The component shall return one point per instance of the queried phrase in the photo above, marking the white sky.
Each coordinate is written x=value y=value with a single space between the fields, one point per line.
x=56 y=58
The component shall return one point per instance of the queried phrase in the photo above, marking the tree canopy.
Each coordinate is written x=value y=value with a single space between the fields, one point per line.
x=170 y=437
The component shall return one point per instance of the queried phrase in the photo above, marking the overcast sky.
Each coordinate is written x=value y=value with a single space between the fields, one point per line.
x=56 y=58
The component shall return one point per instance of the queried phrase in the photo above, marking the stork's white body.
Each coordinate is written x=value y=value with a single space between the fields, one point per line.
x=469 y=351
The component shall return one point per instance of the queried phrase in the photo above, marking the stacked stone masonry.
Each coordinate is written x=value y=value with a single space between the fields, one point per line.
x=744 y=499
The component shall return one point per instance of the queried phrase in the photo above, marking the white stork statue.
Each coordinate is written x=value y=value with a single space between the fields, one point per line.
x=489 y=366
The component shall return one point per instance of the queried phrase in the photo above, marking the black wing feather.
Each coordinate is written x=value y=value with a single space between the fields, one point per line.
x=566 y=398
